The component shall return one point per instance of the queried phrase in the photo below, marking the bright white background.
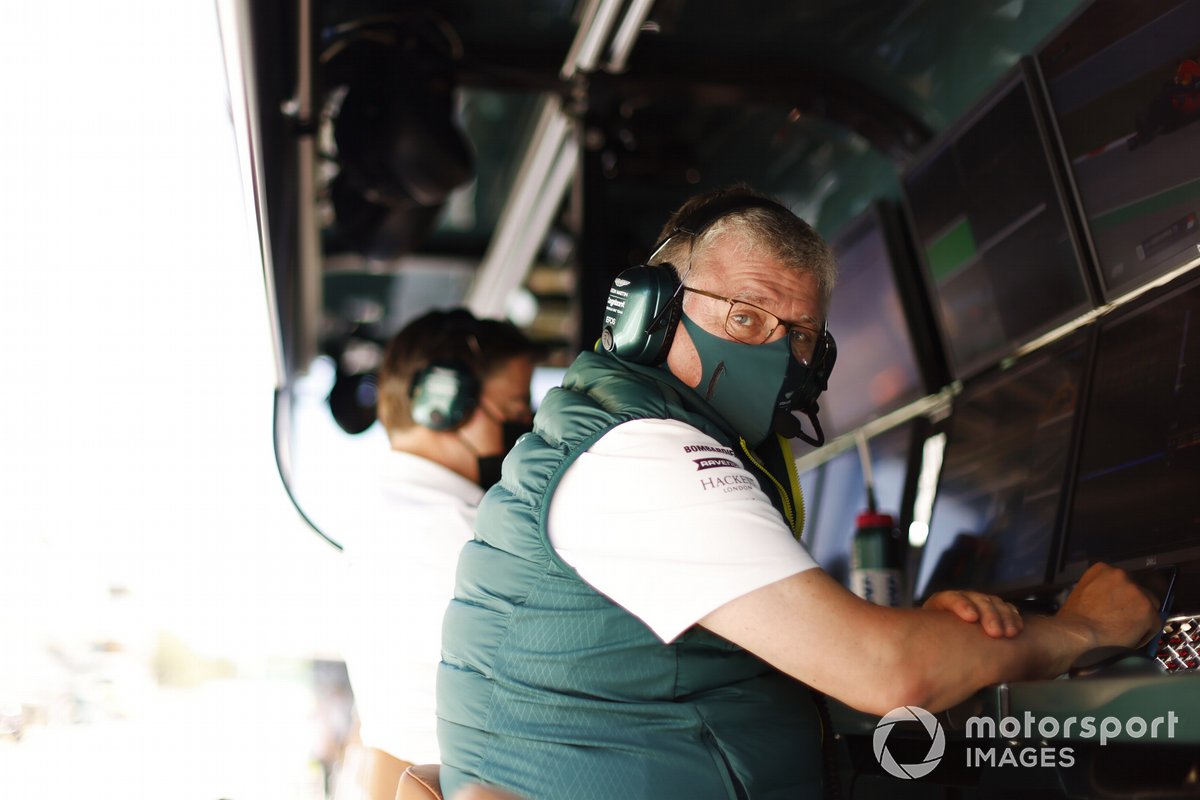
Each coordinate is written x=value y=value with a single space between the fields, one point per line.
x=135 y=410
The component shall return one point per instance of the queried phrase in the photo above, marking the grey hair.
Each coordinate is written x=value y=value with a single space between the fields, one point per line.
x=790 y=240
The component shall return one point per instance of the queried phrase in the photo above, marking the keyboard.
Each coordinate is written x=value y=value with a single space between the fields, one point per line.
x=1179 y=645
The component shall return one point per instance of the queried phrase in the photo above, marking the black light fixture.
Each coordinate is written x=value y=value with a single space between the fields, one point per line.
x=352 y=399
x=400 y=151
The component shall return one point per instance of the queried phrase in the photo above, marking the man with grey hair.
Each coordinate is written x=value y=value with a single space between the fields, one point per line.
x=637 y=617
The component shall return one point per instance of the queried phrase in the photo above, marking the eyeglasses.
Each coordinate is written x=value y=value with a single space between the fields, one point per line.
x=749 y=324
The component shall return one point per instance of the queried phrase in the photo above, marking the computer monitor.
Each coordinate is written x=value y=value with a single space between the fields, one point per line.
x=544 y=379
x=886 y=355
x=1001 y=489
x=990 y=220
x=842 y=496
x=1135 y=500
x=1123 y=80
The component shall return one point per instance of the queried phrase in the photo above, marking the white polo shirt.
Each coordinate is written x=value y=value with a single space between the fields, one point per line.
x=400 y=578
x=668 y=523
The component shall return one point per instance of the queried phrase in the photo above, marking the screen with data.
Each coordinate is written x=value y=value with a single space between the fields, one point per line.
x=1137 y=491
x=877 y=368
x=999 y=498
x=989 y=219
x=1123 y=80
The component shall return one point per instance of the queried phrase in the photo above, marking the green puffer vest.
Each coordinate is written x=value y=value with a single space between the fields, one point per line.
x=549 y=689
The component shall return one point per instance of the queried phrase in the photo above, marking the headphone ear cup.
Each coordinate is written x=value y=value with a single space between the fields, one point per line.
x=642 y=313
x=444 y=396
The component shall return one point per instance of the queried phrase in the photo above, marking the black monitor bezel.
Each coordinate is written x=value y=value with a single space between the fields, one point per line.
x=1066 y=175
x=1069 y=572
x=1023 y=72
x=920 y=326
x=1047 y=585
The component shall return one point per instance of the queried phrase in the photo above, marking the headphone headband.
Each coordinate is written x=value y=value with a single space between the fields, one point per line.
x=704 y=217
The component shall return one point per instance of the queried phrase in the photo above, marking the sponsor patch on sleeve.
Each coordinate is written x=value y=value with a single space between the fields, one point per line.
x=707 y=448
x=713 y=462
x=732 y=478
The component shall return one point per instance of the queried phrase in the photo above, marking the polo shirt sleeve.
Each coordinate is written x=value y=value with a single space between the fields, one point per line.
x=669 y=524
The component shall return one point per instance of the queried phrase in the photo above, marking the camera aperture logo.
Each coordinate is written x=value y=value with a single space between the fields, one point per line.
x=937 y=742
x=1009 y=741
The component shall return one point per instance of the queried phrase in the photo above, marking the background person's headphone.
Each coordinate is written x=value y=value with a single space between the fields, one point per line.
x=444 y=395
x=645 y=303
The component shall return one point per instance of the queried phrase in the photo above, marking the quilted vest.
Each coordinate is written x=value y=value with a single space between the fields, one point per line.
x=549 y=689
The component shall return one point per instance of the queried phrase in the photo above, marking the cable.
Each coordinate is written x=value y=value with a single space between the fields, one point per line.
x=281 y=468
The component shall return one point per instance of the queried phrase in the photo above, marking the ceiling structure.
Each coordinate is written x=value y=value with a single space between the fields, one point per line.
x=415 y=152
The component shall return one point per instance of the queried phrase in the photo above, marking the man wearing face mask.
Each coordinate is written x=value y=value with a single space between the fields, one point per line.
x=453 y=396
x=637 y=616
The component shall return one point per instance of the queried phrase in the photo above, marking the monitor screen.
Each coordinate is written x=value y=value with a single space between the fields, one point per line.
x=998 y=502
x=877 y=369
x=1123 y=80
x=991 y=228
x=842 y=496
x=544 y=379
x=1135 y=499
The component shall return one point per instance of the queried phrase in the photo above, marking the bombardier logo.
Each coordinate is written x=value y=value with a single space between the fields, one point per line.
x=706 y=448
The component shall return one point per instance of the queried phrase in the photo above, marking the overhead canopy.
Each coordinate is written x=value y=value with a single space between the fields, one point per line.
x=818 y=103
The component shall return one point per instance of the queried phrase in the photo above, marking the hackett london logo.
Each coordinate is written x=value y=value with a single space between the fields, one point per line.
x=937 y=742
x=728 y=483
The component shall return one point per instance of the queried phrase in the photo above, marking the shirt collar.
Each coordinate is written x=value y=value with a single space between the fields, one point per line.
x=419 y=472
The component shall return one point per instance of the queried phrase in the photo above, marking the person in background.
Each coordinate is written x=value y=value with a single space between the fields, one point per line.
x=453 y=396
x=637 y=617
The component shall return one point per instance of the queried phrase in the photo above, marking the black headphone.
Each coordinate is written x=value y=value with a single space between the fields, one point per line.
x=645 y=303
x=444 y=395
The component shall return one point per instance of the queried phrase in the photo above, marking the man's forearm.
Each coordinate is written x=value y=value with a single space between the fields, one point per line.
x=957 y=659
x=875 y=659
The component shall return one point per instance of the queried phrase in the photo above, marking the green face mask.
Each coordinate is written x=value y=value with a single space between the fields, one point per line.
x=742 y=382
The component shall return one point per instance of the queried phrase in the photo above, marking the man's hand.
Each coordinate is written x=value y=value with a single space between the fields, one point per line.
x=997 y=618
x=1107 y=606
